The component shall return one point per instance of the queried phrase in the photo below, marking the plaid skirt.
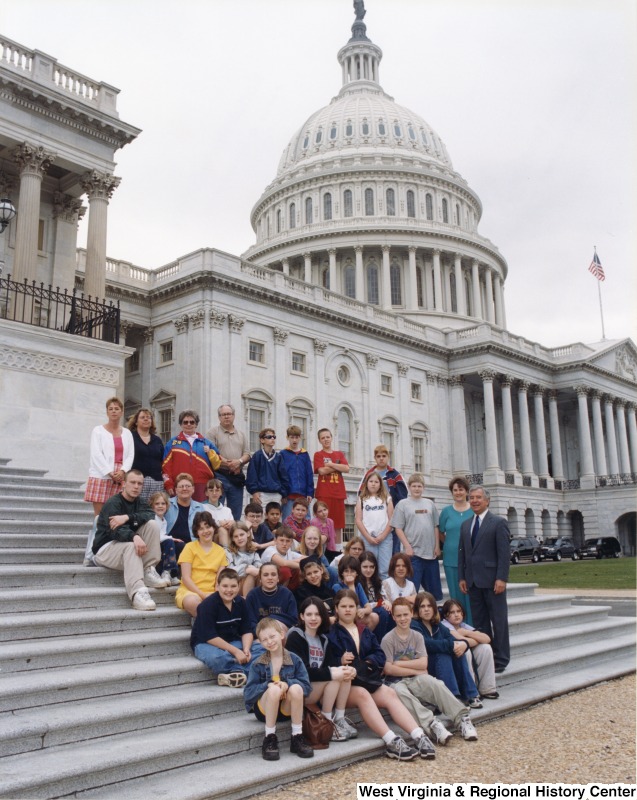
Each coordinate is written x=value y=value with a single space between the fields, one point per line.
x=98 y=490
x=150 y=487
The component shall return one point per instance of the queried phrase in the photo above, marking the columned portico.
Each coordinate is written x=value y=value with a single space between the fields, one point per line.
x=526 y=453
x=460 y=464
x=492 y=472
x=99 y=187
x=510 y=465
x=587 y=471
x=611 y=439
x=540 y=437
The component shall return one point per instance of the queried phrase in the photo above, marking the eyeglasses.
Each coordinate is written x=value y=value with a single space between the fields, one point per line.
x=269 y=436
x=189 y=422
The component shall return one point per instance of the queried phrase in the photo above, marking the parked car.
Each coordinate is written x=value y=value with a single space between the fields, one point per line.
x=525 y=548
x=602 y=546
x=559 y=548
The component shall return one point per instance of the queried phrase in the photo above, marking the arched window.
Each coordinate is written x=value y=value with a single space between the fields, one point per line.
x=390 y=199
x=372 y=284
x=319 y=136
x=419 y=292
x=349 y=279
x=325 y=277
x=267 y=227
x=278 y=221
x=382 y=130
x=429 y=205
x=369 y=202
x=395 y=284
x=292 y=215
x=345 y=433
x=412 y=133
x=454 y=298
x=397 y=130
x=333 y=132
x=445 y=210
x=365 y=128
x=348 y=205
x=411 y=203
x=423 y=135
x=306 y=141
x=349 y=128
x=308 y=210
x=327 y=206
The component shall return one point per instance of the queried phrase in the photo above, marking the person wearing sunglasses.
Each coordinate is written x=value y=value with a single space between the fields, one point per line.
x=192 y=453
x=267 y=479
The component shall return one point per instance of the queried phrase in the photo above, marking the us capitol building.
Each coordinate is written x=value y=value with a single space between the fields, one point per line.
x=368 y=303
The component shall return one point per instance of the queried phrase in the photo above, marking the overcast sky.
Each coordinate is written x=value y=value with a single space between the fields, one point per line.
x=535 y=101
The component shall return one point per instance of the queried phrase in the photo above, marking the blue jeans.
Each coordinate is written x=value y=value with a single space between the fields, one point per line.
x=454 y=673
x=383 y=553
x=221 y=661
x=233 y=495
x=427 y=575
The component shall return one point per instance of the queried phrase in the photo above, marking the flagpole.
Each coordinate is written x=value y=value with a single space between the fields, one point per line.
x=601 y=310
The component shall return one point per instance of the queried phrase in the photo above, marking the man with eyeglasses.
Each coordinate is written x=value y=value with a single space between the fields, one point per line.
x=232 y=445
x=192 y=453
x=267 y=479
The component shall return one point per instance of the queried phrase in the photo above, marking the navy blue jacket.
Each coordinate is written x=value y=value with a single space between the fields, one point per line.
x=267 y=475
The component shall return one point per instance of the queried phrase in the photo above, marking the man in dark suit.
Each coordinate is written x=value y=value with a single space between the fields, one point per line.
x=483 y=570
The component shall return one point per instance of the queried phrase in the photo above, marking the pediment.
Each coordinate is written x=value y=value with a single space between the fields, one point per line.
x=620 y=358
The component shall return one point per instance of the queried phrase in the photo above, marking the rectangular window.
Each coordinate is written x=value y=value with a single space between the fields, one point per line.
x=419 y=453
x=256 y=421
x=416 y=391
x=256 y=352
x=386 y=384
x=165 y=424
x=388 y=441
x=299 y=363
x=301 y=422
x=166 y=352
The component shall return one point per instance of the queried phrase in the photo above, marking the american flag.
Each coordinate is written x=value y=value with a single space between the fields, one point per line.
x=596 y=268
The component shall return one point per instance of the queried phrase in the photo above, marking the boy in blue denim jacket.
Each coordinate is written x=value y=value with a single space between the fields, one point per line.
x=277 y=684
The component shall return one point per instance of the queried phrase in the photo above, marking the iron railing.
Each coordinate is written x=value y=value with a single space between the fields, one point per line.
x=46 y=307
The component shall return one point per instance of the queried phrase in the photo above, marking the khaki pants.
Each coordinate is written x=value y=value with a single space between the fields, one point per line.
x=429 y=690
x=122 y=556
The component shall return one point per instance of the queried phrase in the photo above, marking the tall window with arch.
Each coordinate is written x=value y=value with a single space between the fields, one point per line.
x=411 y=203
x=445 y=210
x=348 y=203
x=429 y=206
x=327 y=206
x=292 y=215
x=373 y=294
x=345 y=432
x=308 y=210
x=278 y=221
x=419 y=287
x=349 y=279
x=458 y=217
x=325 y=276
x=395 y=280
x=390 y=202
x=369 y=202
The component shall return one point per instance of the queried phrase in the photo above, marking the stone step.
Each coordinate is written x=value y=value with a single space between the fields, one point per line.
x=16 y=601
x=44 y=624
x=42 y=555
x=44 y=514
x=21 y=472
x=65 y=651
x=57 y=576
x=31 y=527
x=247 y=775
x=537 y=603
x=50 y=541
x=44 y=687
x=40 y=492
x=554 y=638
x=9 y=499
x=524 y=623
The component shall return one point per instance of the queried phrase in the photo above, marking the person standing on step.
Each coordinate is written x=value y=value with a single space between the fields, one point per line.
x=233 y=450
x=483 y=570
x=127 y=539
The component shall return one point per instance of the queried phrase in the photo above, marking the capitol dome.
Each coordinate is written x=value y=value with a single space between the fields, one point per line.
x=366 y=203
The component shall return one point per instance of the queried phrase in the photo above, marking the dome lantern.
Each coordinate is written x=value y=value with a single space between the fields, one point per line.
x=360 y=57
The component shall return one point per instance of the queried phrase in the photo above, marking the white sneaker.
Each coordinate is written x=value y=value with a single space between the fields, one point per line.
x=439 y=732
x=175 y=581
x=347 y=726
x=142 y=601
x=343 y=730
x=467 y=731
x=165 y=576
x=154 y=580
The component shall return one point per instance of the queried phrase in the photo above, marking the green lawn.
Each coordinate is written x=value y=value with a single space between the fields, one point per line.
x=608 y=573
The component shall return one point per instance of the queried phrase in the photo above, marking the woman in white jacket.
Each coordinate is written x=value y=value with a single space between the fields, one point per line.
x=112 y=453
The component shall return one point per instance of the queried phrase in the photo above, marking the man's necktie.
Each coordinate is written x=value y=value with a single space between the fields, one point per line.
x=474 y=533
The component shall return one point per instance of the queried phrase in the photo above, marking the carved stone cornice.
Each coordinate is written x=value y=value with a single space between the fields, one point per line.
x=216 y=318
x=236 y=323
x=280 y=335
x=33 y=160
x=57 y=366
x=149 y=335
x=403 y=369
x=181 y=323
x=197 y=318
x=99 y=185
x=320 y=347
x=68 y=208
x=372 y=360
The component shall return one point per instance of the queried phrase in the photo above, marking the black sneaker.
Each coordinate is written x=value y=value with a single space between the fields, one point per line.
x=299 y=746
x=270 y=747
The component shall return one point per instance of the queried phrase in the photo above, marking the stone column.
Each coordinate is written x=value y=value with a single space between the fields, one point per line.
x=598 y=434
x=67 y=211
x=460 y=296
x=412 y=292
x=499 y=302
x=429 y=289
x=540 y=436
x=509 y=434
x=34 y=163
x=99 y=187
x=611 y=439
x=307 y=267
x=332 y=254
x=437 y=282
x=460 y=444
x=475 y=291
x=587 y=471
x=285 y=262
x=385 y=299
x=556 y=445
x=488 y=279
x=492 y=472
x=360 y=274
x=526 y=453
x=632 y=433
x=446 y=277
x=624 y=457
